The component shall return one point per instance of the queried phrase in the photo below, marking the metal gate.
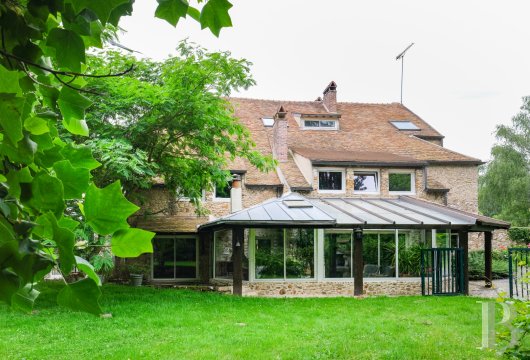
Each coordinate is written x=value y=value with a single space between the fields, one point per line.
x=518 y=270
x=442 y=271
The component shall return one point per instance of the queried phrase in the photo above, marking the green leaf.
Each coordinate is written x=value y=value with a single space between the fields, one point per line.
x=64 y=239
x=36 y=125
x=9 y=83
x=107 y=210
x=9 y=281
x=73 y=105
x=75 y=180
x=15 y=178
x=10 y=117
x=69 y=48
x=47 y=194
x=214 y=15
x=80 y=156
x=171 y=10
x=132 y=242
x=82 y=295
x=24 y=298
x=88 y=269
x=6 y=232
x=2 y=178
x=68 y=223
x=194 y=13
x=102 y=8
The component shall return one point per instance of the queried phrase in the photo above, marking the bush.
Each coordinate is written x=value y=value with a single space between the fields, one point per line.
x=519 y=234
x=499 y=266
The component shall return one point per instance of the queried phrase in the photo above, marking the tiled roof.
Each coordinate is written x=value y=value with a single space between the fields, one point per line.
x=360 y=157
x=293 y=175
x=363 y=127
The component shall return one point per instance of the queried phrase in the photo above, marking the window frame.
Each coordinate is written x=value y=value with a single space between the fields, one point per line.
x=343 y=182
x=221 y=199
x=304 y=127
x=367 y=171
x=190 y=236
x=412 y=182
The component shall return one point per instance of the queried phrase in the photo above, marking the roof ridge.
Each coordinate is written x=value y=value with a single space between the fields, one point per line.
x=412 y=136
x=311 y=101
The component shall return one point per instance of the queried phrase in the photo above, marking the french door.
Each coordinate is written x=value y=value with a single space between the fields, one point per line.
x=175 y=257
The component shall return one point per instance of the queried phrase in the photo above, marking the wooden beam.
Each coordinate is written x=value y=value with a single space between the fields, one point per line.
x=238 y=242
x=358 y=285
x=205 y=245
x=464 y=244
x=488 y=258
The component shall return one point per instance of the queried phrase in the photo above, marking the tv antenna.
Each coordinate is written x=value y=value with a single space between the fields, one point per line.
x=402 y=57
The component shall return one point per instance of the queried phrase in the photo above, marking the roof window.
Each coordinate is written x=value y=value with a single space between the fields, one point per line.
x=404 y=125
x=320 y=124
x=268 y=121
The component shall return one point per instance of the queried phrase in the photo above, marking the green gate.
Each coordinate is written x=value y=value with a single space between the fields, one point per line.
x=519 y=272
x=442 y=271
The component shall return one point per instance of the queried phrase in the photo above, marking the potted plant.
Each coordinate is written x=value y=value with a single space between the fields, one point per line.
x=136 y=273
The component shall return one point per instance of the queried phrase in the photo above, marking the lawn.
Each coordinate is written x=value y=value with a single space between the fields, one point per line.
x=152 y=323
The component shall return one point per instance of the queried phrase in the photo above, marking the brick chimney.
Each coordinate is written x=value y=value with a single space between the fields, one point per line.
x=330 y=97
x=279 y=135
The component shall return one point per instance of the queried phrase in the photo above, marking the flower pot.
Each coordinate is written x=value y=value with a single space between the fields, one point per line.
x=136 y=279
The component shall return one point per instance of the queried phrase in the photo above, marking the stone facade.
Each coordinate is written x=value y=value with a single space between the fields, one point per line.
x=405 y=286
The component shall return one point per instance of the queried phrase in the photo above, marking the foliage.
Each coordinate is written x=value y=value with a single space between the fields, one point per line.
x=504 y=185
x=499 y=265
x=520 y=235
x=178 y=324
x=42 y=103
x=172 y=118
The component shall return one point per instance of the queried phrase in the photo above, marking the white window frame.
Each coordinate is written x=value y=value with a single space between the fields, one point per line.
x=336 y=127
x=191 y=236
x=343 y=185
x=378 y=180
x=216 y=199
x=412 y=182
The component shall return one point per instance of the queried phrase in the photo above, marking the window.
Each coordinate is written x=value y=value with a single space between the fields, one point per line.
x=366 y=181
x=222 y=255
x=401 y=182
x=379 y=254
x=268 y=121
x=222 y=191
x=331 y=181
x=320 y=124
x=175 y=257
x=404 y=125
x=281 y=254
x=338 y=255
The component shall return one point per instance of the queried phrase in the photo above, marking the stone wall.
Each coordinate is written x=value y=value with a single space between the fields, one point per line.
x=403 y=286
x=500 y=241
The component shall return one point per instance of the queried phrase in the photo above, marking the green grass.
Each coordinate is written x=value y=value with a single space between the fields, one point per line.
x=152 y=323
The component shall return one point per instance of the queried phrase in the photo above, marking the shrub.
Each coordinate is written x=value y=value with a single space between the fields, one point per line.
x=519 y=234
x=499 y=266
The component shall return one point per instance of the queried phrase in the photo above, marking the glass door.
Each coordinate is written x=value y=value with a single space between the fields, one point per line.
x=175 y=257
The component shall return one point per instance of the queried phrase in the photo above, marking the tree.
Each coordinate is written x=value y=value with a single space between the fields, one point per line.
x=504 y=185
x=173 y=118
x=43 y=71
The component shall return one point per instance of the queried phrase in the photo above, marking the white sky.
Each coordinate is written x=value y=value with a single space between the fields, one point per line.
x=466 y=73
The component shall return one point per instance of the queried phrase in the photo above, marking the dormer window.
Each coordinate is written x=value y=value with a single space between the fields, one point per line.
x=404 y=125
x=320 y=124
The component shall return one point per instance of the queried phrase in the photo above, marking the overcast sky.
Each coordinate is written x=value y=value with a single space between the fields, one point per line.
x=466 y=73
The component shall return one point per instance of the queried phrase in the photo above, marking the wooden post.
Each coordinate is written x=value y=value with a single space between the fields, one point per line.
x=487 y=258
x=358 y=262
x=205 y=244
x=238 y=238
x=463 y=237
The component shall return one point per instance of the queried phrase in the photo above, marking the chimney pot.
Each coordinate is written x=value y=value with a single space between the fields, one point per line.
x=236 y=196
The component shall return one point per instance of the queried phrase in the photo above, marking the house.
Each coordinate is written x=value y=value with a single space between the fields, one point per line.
x=359 y=190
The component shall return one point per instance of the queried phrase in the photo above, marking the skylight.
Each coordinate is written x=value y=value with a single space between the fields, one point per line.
x=268 y=121
x=404 y=125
